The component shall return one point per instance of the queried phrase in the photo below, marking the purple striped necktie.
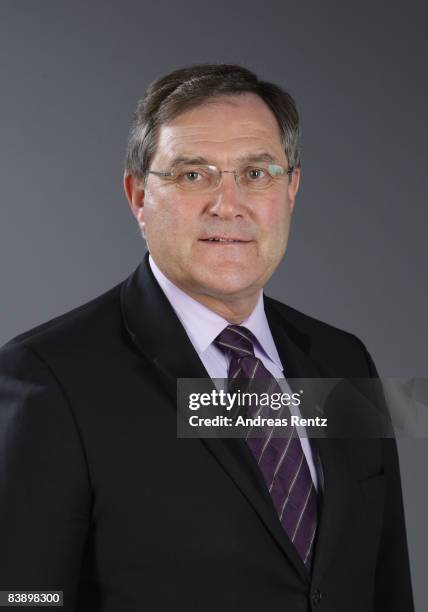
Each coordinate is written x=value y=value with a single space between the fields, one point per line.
x=281 y=461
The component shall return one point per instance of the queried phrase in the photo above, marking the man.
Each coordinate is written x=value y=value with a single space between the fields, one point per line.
x=100 y=499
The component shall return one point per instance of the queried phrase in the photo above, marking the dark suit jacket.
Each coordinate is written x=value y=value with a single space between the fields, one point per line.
x=100 y=499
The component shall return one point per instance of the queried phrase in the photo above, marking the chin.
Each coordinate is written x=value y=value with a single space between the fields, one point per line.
x=226 y=283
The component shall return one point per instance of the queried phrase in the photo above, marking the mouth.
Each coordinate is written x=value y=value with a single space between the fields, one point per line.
x=224 y=240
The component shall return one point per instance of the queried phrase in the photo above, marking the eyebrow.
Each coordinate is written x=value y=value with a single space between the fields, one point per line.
x=258 y=157
x=250 y=158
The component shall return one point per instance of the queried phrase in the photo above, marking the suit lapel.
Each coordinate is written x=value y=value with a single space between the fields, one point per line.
x=156 y=330
x=294 y=349
x=158 y=334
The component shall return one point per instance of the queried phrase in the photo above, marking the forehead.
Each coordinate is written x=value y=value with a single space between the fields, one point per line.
x=224 y=127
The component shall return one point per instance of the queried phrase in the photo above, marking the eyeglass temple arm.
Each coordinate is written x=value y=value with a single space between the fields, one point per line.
x=160 y=173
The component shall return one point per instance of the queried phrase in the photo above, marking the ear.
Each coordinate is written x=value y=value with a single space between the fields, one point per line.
x=134 y=191
x=293 y=187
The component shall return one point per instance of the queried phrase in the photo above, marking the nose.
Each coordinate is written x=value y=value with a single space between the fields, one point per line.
x=227 y=200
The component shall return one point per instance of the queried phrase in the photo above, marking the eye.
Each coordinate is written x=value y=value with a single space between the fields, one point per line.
x=255 y=174
x=192 y=176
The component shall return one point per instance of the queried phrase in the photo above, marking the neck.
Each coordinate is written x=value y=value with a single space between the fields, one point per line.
x=234 y=310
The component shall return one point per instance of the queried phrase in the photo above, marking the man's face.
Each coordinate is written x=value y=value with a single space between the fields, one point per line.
x=176 y=223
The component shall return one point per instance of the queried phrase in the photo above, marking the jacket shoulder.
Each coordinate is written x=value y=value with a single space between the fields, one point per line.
x=307 y=324
x=335 y=348
x=90 y=319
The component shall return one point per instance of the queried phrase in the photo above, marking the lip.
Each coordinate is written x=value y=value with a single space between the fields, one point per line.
x=224 y=240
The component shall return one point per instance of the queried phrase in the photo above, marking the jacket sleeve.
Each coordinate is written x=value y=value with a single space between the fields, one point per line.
x=393 y=588
x=45 y=498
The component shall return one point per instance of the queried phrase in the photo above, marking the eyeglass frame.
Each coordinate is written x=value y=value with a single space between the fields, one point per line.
x=170 y=174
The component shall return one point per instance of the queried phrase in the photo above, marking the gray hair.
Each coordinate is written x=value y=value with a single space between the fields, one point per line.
x=183 y=89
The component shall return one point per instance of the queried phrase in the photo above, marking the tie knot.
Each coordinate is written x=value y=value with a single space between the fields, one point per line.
x=236 y=339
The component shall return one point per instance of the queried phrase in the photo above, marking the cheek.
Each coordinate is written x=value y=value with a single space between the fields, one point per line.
x=274 y=219
x=167 y=221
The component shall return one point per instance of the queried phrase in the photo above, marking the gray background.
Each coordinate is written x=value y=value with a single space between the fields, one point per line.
x=71 y=73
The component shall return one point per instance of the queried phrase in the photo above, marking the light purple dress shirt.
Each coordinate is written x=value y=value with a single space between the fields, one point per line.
x=203 y=325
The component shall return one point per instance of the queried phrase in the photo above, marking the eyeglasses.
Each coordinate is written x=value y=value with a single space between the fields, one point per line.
x=204 y=178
